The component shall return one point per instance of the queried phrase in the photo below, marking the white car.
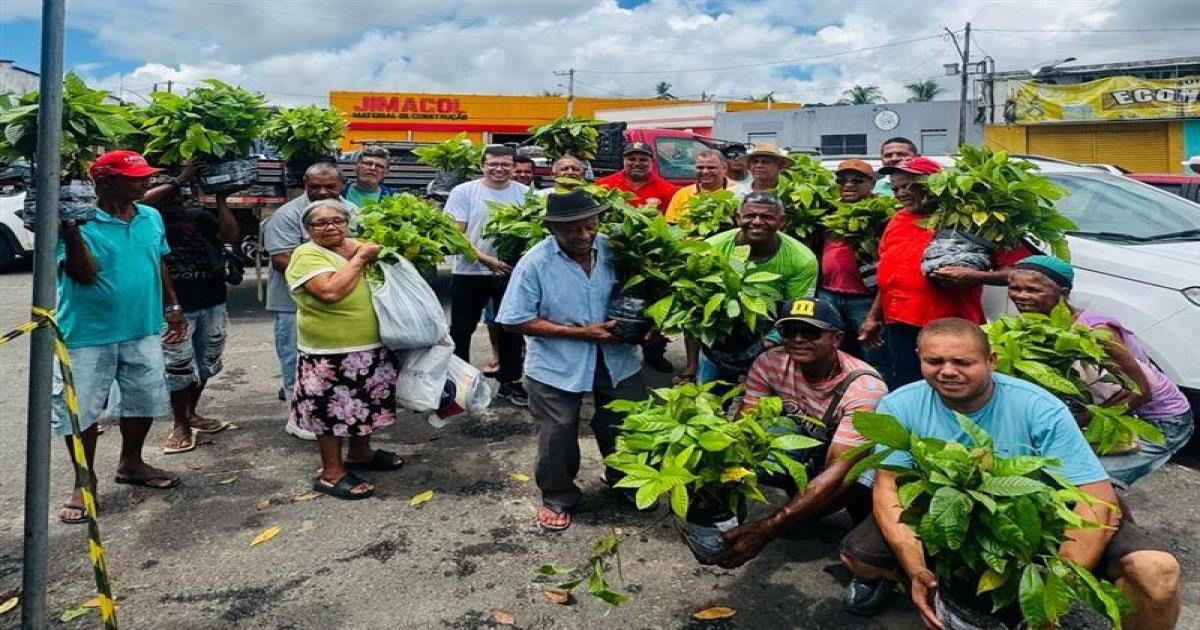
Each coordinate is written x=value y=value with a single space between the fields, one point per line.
x=1136 y=255
x=15 y=240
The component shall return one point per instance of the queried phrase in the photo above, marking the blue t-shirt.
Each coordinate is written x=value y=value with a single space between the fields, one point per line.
x=125 y=302
x=1022 y=418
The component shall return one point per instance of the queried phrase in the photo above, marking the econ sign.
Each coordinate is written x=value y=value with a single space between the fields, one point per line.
x=1112 y=98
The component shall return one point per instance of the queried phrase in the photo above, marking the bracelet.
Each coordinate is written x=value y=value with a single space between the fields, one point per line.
x=173 y=308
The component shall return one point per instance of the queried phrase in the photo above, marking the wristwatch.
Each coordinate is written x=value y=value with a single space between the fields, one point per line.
x=174 y=308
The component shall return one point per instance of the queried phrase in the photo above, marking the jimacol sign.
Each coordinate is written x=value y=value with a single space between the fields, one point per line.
x=1112 y=98
x=383 y=106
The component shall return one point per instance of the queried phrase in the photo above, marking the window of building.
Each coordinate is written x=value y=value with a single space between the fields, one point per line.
x=935 y=142
x=761 y=136
x=847 y=144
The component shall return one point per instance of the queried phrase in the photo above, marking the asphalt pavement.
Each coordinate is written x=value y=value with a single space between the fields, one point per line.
x=467 y=558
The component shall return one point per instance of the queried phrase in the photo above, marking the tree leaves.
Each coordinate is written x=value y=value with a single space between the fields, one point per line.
x=421 y=497
x=309 y=131
x=406 y=225
x=714 y=612
x=567 y=136
x=882 y=429
x=216 y=121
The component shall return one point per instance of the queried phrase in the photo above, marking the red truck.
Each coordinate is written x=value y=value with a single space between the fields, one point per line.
x=674 y=150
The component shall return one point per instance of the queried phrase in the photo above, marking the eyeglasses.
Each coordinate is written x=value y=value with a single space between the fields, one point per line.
x=498 y=165
x=321 y=225
x=807 y=332
x=851 y=181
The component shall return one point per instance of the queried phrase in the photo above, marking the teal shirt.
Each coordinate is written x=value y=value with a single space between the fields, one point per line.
x=125 y=301
x=361 y=197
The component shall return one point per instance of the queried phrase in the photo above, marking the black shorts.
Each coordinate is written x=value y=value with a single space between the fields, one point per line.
x=866 y=544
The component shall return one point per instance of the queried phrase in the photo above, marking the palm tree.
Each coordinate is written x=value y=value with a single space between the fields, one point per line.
x=862 y=95
x=923 y=91
x=663 y=90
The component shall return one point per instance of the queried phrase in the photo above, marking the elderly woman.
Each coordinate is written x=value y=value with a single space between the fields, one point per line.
x=1036 y=285
x=345 y=376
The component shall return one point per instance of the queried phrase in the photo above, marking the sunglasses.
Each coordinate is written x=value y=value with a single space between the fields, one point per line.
x=807 y=332
x=851 y=181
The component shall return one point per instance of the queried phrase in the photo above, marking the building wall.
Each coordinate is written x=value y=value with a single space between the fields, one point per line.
x=15 y=80
x=1141 y=147
x=933 y=125
x=1191 y=141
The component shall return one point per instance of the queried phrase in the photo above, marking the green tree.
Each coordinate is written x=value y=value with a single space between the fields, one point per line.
x=862 y=95
x=769 y=97
x=663 y=91
x=923 y=91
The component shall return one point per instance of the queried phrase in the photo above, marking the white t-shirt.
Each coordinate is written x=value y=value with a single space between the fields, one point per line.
x=468 y=204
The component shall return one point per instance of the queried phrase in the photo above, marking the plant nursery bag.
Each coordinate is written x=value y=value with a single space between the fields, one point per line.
x=954 y=248
x=409 y=313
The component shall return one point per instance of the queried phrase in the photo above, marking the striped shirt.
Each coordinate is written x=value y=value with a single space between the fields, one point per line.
x=775 y=374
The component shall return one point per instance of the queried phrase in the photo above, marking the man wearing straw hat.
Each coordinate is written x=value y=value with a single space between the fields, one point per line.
x=766 y=162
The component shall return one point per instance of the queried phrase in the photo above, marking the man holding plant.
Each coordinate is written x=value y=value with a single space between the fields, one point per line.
x=710 y=177
x=370 y=168
x=558 y=300
x=956 y=363
x=816 y=381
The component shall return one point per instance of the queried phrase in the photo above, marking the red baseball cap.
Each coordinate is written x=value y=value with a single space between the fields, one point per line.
x=123 y=163
x=919 y=165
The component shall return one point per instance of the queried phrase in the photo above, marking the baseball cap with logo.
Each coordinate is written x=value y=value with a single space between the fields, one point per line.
x=735 y=150
x=123 y=163
x=857 y=166
x=815 y=311
x=637 y=147
x=919 y=165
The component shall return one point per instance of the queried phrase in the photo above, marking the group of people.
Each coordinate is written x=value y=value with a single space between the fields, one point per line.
x=911 y=347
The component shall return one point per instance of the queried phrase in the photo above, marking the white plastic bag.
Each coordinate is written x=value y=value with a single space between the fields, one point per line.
x=422 y=376
x=409 y=313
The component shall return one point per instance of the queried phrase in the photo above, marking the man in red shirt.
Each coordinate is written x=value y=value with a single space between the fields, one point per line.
x=907 y=300
x=638 y=178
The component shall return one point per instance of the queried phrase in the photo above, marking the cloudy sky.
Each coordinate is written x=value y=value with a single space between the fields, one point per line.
x=297 y=50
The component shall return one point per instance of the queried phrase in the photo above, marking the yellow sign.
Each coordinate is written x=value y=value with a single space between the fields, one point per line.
x=802 y=307
x=1113 y=98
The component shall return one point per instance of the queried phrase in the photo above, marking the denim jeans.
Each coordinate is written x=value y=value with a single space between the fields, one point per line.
x=198 y=357
x=285 y=349
x=853 y=309
x=1126 y=469
x=901 y=343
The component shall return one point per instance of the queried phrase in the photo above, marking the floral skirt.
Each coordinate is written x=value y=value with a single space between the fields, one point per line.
x=345 y=394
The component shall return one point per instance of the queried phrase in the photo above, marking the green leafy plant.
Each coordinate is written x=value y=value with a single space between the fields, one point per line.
x=679 y=443
x=1056 y=352
x=592 y=569
x=991 y=525
x=1000 y=199
x=710 y=212
x=406 y=225
x=456 y=155
x=808 y=191
x=515 y=228
x=215 y=122
x=646 y=249
x=305 y=132
x=861 y=224
x=90 y=125
x=567 y=135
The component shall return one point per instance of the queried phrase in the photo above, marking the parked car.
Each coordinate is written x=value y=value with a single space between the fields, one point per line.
x=1137 y=258
x=15 y=239
x=1186 y=186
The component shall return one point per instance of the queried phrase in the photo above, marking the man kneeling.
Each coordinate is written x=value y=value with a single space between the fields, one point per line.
x=1023 y=419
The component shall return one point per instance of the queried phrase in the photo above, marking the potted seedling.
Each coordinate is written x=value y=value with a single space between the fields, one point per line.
x=90 y=126
x=808 y=192
x=988 y=200
x=645 y=248
x=304 y=136
x=679 y=444
x=992 y=527
x=567 y=135
x=514 y=229
x=709 y=213
x=216 y=123
x=406 y=225
x=1068 y=359
x=456 y=159
x=861 y=224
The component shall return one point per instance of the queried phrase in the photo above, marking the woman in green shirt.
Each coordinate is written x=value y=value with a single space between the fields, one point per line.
x=345 y=385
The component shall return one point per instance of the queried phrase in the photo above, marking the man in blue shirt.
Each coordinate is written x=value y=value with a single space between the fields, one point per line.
x=1023 y=419
x=557 y=298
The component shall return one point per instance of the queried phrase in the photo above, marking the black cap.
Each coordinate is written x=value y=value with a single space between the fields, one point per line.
x=735 y=150
x=815 y=311
x=571 y=206
x=637 y=147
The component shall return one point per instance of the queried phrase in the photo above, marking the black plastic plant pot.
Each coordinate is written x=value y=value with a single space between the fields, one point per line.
x=294 y=173
x=735 y=353
x=867 y=271
x=76 y=200
x=958 y=249
x=628 y=310
x=702 y=528
x=227 y=177
x=956 y=614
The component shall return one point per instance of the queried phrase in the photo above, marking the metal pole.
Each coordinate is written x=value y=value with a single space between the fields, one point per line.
x=962 y=97
x=571 y=92
x=41 y=344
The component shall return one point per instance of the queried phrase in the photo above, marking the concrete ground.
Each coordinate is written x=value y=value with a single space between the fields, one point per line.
x=182 y=559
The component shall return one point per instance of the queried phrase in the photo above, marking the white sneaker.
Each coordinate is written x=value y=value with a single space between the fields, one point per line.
x=295 y=430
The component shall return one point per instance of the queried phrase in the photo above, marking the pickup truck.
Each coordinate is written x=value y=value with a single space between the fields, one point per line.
x=674 y=150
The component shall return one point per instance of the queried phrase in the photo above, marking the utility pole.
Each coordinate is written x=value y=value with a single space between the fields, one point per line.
x=41 y=344
x=170 y=83
x=964 y=53
x=570 y=74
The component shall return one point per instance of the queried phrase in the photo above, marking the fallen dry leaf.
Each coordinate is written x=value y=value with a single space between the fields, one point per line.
x=307 y=496
x=262 y=504
x=226 y=482
x=9 y=604
x=557 y=595
x=232 y=427
x=421 y=498
x=503 y=617
x=193 y=465
x=72 y=613
x=267 y=534
x=91 y=603
x=715 y=612
x=522 y=477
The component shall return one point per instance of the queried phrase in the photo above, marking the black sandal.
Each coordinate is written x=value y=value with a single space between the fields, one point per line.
x=380 y=460
x=343 y=489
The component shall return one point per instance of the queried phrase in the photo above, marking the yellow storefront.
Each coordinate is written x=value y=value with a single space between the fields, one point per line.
x=423 y=117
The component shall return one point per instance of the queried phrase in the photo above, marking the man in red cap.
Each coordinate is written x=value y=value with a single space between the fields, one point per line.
x=639 y=178
x=907 y=300
x=114 y=294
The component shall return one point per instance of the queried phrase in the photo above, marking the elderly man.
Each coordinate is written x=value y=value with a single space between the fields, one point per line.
x=815 y=380
x=907 y=299
x=370 y=168
x=760 y=220
x=1023 y=419
x=114 y=293
x=283 y=232
x=735 y=164
x=710 y=177
x=639 y=178
x=892 y=152
x=557 y=299
x=567 y=172
x=766 y=162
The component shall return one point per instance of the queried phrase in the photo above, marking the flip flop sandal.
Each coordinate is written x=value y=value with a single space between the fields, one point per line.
x=145 y=483
x=554 y=529
x=343 y=489
x=220 y=425
x=191 y=446
x=74 y=521
x=381 y=460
